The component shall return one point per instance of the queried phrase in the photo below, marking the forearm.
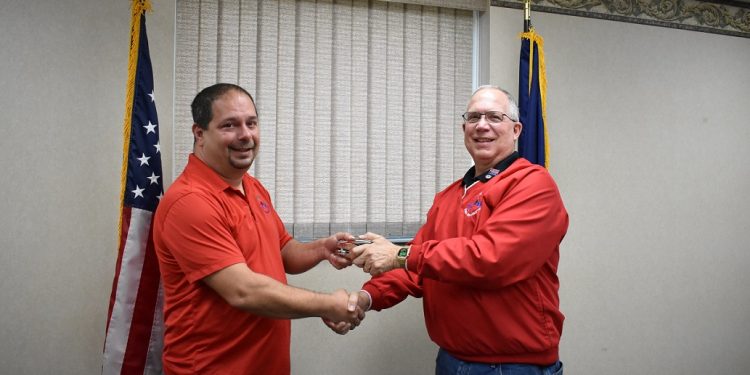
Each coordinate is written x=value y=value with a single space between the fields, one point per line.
x=262 y=295
x=391 y=288
x=273 y=299
x=504 y=252
x=521 y=233
x=301 y=256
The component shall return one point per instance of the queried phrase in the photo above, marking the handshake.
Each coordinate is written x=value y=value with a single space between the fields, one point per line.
x=371 y=252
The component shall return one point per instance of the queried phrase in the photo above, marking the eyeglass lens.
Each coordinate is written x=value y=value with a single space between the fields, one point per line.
x=493 y=117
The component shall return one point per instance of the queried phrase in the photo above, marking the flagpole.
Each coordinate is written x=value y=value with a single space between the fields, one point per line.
x=526 y=16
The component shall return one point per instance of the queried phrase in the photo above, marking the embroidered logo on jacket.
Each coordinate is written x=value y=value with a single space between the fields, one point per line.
x=473 y=207
x=491 y=173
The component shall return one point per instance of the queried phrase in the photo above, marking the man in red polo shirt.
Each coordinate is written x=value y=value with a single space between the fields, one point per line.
x=224 y=253
x=485 y=262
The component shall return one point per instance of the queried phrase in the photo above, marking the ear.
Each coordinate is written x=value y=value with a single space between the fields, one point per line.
x=463 y=127
x=197 y=134
x=517 y=128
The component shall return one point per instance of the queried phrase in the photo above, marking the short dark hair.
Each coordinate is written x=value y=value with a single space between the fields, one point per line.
x=201 y=105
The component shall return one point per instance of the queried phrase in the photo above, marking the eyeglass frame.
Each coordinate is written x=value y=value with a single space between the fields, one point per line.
x=481 y=114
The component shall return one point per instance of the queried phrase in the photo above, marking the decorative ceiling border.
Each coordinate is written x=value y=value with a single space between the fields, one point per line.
x=678 y=14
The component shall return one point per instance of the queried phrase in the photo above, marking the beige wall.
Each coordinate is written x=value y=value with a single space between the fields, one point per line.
x=63 y=69
x=648 y=129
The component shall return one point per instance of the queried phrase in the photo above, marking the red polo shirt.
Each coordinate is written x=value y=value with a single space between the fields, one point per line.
x=203 y=225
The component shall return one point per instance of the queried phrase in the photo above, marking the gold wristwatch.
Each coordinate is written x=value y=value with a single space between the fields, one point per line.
x=401 y=256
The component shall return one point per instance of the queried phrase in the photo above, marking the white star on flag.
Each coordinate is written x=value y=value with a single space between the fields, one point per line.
x=154 y=178
x=151 y=95
x=158 y=148
x=138 y=192
x=143 y=159
x=150 y=128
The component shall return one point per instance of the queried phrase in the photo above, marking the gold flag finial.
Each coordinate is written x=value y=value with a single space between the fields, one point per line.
x=526 y=15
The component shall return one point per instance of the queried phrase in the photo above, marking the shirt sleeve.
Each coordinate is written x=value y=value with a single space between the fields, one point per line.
x=199 y=237
x=526 y=224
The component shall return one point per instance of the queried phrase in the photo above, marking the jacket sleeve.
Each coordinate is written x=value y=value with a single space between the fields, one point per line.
x=390 y=288
x=526 y=223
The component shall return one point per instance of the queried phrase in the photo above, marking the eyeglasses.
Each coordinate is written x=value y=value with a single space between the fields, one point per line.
x=493 y=117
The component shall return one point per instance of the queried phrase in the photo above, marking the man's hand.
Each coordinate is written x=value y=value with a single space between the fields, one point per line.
x=377 y=257
x=332 y=245
x=345 y=308
x=362 y=302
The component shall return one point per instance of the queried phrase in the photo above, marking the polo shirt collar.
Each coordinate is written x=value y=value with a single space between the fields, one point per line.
x=469 y=178
x=208 y=175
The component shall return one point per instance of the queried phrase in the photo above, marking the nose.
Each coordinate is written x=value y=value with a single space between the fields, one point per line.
x=482 y=122
x=243 y=132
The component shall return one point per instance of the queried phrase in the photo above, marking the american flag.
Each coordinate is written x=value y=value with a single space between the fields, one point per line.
x=135 y=324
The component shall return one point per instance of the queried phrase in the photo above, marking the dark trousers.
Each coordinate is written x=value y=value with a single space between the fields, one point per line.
x=447 y=364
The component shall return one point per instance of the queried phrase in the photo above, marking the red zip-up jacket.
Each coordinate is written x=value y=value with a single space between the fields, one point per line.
x=485 y=263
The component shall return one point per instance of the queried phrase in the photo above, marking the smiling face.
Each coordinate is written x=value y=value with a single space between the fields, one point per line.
x=229 y=144
x=489 y=143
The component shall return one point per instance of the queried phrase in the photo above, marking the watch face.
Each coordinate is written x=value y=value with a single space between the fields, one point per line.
x=403 y=252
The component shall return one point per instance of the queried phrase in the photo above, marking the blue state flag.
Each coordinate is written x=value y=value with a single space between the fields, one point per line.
x=532 y=101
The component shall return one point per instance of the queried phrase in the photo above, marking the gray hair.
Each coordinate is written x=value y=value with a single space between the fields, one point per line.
x=512 y=110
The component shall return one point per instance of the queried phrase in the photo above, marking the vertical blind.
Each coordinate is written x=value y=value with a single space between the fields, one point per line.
x=359 y=103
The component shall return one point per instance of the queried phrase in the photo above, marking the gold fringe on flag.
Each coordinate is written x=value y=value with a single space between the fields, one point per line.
x=536 y=39
x=138 y=7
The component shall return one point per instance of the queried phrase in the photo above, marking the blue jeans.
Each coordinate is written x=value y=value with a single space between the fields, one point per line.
x=447 y=364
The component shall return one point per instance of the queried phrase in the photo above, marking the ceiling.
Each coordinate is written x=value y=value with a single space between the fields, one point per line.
x=737 y=3
x=726 y=17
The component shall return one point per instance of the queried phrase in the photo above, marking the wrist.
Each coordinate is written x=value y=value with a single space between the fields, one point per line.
x=323 y=248
x=316 y=304
x=365 y=300
x=401 y=255
x=329 y=306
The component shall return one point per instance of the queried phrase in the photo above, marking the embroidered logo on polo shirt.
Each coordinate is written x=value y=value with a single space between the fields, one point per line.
x=263 y=205
x=473 y=207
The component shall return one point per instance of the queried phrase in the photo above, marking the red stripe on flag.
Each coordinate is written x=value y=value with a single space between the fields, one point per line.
x=125 y=215
x=139 y=338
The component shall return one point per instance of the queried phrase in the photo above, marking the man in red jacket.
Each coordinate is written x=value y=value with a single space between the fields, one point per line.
x=485 y=262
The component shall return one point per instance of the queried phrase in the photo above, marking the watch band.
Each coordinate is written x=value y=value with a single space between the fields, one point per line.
x=401 y=256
